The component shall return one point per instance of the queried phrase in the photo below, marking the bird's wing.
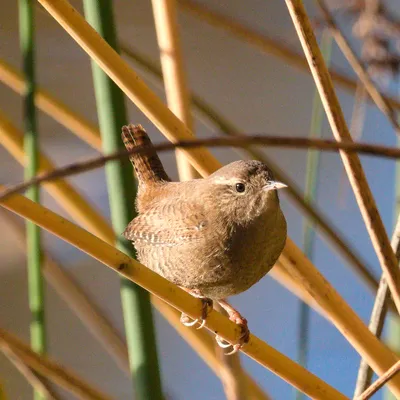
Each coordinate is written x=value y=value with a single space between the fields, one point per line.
x=167 y=228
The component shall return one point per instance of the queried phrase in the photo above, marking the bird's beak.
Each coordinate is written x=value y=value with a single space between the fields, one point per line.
x=274 y=185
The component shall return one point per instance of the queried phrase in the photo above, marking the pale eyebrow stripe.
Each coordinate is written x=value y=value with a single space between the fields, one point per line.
x=224 y=181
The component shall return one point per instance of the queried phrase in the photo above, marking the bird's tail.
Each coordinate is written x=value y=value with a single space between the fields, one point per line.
x=147 y=165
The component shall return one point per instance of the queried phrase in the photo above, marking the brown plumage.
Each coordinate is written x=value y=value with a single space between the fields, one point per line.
x=215 y=237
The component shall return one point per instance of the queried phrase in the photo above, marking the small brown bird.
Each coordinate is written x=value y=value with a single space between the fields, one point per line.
x=214 y=237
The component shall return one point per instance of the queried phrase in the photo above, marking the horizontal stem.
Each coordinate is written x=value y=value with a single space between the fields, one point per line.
x=244 y=141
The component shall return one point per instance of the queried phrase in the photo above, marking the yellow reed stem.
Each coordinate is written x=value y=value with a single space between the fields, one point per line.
x=174 y=74
x=178 y=298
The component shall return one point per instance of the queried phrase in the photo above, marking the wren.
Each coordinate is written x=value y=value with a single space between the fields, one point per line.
x=214 y=237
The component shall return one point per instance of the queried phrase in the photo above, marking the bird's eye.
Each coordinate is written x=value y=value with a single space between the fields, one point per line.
x=240 y=187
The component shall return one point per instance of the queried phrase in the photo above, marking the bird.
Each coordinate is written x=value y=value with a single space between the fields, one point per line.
x=214 y=237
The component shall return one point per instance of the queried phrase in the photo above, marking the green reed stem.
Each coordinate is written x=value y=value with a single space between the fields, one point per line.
x=31 y=144
x=136 y=306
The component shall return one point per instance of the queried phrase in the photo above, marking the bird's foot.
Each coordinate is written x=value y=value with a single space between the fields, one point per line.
x=234 y=316
x=206 y=305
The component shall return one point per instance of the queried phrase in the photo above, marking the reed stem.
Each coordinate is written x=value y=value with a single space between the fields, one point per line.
x=136 y=306
x=31 y=145
x=311 y=187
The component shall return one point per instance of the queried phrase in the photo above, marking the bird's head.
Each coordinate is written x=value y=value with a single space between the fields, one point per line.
x=246 y=189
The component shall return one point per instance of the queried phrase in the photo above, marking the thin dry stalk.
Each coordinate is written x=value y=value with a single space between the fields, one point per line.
x=267 y=45
x=243 y=141
x=359 y=69
x=36 y=381
x=174 y=74
x=351 y=162
x=380 y=382
x=378 y=315
x=50 y=369
x=376 y=323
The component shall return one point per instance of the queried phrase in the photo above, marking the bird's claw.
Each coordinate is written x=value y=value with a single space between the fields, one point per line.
x=243 y=339
x=206 y=304
x=221 y=342
x=185 y=320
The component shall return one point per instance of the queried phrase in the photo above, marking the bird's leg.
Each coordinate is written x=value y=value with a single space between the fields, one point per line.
x=206 y=304
x=234 y=316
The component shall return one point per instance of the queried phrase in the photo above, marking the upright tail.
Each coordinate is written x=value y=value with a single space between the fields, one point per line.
x=147 y=165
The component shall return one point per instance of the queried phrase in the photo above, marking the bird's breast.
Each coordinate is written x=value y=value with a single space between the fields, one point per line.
x=254 y=249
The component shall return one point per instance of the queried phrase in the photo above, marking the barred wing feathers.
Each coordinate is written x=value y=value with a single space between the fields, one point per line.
x=166 y=229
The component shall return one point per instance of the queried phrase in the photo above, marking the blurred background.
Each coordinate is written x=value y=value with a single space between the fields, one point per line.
x=258 y=93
